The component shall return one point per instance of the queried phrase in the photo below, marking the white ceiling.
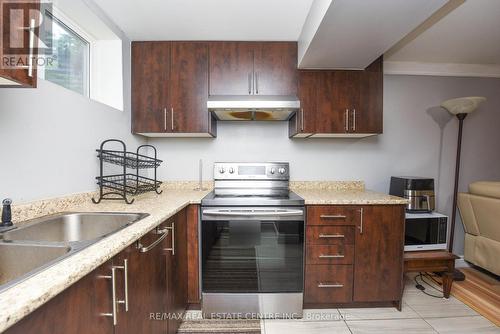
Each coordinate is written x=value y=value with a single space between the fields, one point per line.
x=353 y=33
x=470 y=34
x=208 y=20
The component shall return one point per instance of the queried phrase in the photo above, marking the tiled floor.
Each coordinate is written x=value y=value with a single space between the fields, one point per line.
x=420 y=314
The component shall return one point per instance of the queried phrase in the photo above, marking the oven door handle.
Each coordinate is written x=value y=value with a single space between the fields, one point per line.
x=253 y=213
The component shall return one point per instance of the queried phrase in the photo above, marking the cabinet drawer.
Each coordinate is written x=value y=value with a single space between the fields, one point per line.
x=333 y=215
x=330 y=235
x=328 y=284
x=330 y=254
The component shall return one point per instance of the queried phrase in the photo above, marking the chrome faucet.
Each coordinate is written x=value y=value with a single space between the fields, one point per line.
x=6 y=213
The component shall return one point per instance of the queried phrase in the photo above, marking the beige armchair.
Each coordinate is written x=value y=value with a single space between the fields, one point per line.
x=480 y=212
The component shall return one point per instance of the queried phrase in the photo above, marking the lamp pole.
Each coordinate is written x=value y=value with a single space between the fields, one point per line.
x=461 y=118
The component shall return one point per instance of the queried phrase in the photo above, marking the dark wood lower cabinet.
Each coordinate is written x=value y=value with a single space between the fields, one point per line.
x=177 y=272
x=77 y=309
x=150 y=277
x=146 y=281
x=354 y=256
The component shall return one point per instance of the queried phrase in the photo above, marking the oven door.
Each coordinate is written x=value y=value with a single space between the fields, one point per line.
x=252 y=250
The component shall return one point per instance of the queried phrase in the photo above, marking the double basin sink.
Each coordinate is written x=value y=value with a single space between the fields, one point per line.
x=42 y=242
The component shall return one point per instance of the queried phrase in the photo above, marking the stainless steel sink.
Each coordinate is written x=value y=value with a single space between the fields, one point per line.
x=71 y=227
x=17 y=260
x=42 y=242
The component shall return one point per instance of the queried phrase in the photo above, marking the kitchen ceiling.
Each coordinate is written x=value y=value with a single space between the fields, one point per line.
x=470 y=34
x=208 y=20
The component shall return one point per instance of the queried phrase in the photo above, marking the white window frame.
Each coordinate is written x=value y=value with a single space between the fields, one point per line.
x=91 y=40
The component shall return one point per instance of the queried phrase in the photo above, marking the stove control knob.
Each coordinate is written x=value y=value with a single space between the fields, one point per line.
x=222 y=170
x=273 y=170
x=281 y=170
x=231 y=170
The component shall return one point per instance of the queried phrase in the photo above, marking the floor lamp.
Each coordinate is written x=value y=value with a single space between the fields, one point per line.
x=459 y=107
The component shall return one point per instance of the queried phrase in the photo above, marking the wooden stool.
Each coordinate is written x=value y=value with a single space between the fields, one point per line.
x=432 y=261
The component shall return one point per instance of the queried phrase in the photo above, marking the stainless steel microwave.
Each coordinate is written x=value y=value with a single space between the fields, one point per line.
x=426 y=231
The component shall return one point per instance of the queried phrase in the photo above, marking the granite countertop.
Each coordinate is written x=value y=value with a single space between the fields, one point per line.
x=347 y=197
x=23 y=298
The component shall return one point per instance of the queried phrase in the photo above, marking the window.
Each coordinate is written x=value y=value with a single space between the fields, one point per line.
x=71 y=53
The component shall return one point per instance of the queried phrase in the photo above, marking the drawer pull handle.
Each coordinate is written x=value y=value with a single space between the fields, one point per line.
x=323 y=285
x=144 y=249
x=333 y=217
x=331 y=256
x=331 y=236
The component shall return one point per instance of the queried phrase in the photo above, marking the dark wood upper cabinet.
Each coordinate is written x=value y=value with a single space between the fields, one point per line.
x=253 y=68
x=150 y=86
x=170 y=89
x=369 y=118
x=14 y=34
x=275 y=68
x=231 y=68
x=339 y=103
x=189 y=87
x=378 y=263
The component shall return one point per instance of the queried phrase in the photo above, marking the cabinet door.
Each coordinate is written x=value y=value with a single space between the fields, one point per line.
x=231 y=68
x=189 y=88
x=332 y=102
x=146 y=287
x=378 y=264
x=150 y=87
x=19 y=42
x=78 y=309
x=275 y=71
x=192 y=220
x=369 y=111
x=177 y=272
x=304 y=121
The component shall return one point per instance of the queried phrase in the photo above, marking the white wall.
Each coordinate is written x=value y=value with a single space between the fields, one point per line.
x=48 y=138
x=410 y=145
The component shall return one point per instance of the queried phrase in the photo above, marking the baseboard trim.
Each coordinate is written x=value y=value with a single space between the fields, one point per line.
x=461 y=263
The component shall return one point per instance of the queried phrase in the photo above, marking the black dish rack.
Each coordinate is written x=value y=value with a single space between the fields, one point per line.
x=118 y=186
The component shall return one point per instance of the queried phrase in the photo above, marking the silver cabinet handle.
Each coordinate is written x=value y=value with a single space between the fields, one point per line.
x=31 y=46
x=331 y=256
x=172 y=229
x=354 y=120
x=360 y=227
x=323 y=285
x=113 y=313
x=256 y=83
x=165 y=118
x=346 y=117
x=249 y=83
x=333 y=217
x=125 y=283
x=172 y=117
x=301 y=119
x=146 y=249
x=331 y=236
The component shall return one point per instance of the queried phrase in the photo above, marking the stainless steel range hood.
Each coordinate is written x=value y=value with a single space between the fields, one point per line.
x=253 y=107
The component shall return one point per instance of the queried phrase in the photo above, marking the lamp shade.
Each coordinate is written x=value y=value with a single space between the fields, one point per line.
x=463 y=105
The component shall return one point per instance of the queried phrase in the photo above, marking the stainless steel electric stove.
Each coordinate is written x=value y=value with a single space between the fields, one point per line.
x=252 y=243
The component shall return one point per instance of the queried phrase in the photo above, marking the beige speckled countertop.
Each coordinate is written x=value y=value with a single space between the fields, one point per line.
x=347 y=197
x=24 y=297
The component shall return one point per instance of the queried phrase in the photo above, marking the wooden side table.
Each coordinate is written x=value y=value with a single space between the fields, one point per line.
x=432 y=261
